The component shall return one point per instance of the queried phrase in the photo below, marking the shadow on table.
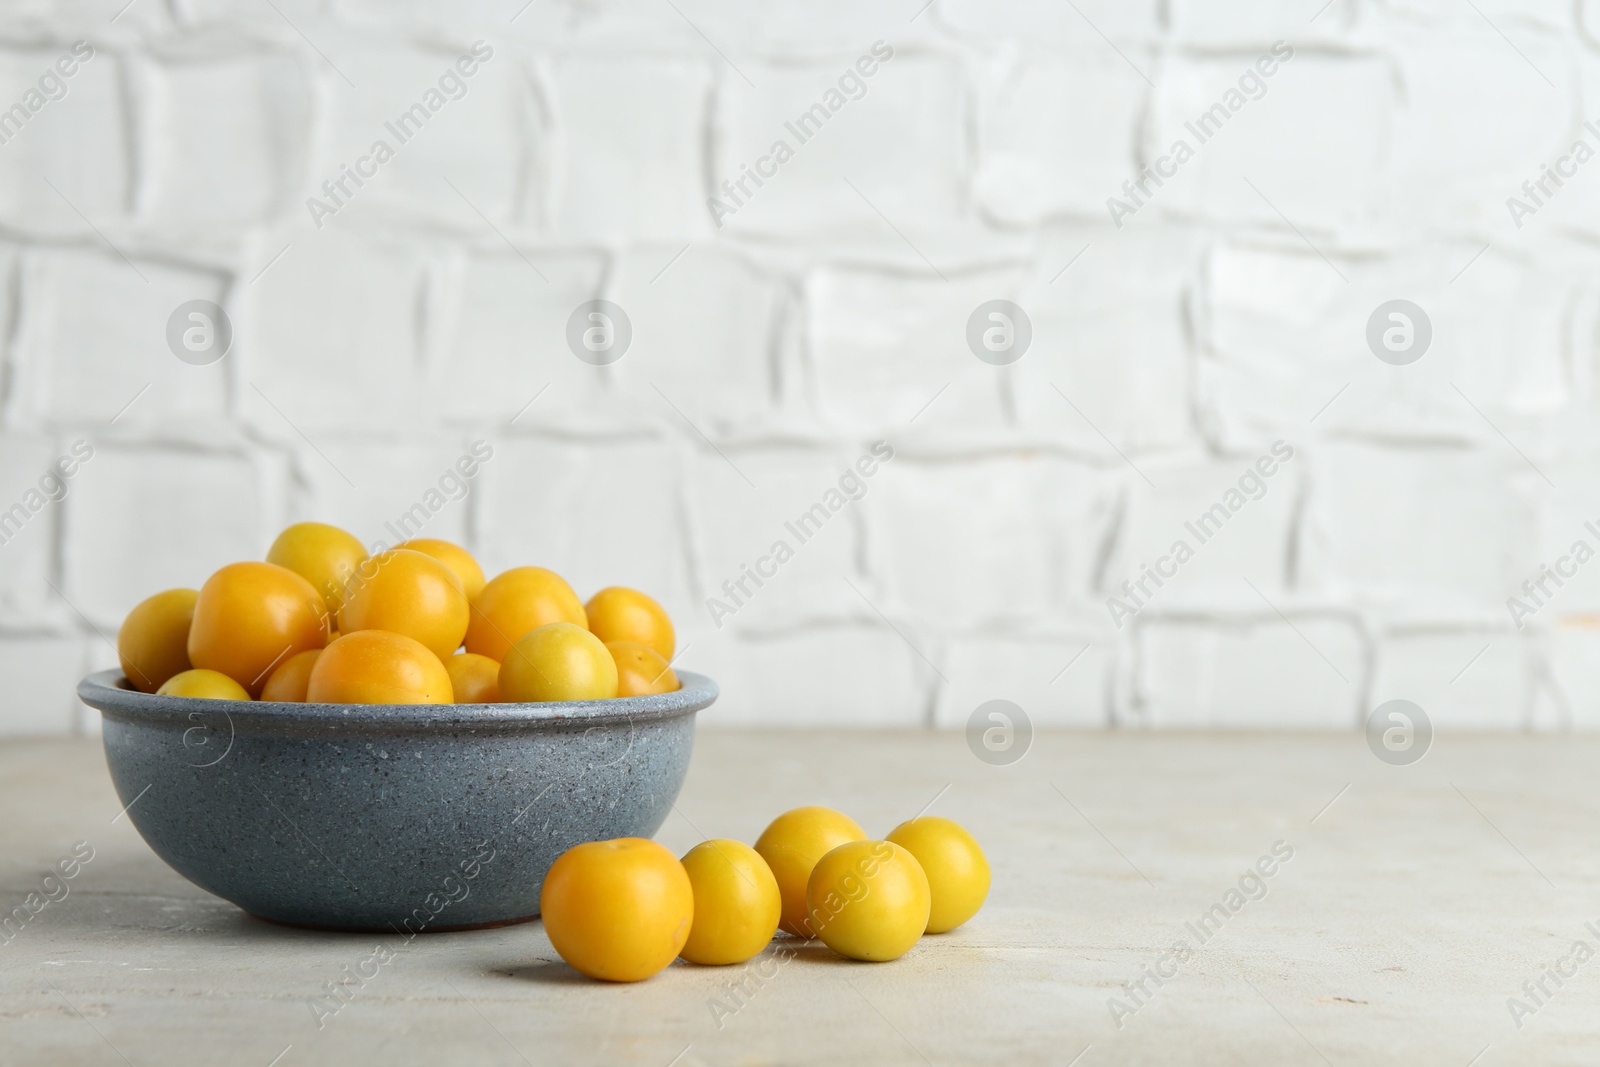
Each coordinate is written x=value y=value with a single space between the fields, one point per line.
x=556 y=972
x=543 y=971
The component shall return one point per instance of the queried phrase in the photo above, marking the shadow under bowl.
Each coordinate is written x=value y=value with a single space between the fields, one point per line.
x=389 y=817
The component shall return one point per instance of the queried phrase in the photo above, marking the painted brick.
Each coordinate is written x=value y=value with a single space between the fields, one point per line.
x=886 y=349
x=627 y=133
x=706 y=331
x=1043 y=153
x=227 y=139
x=1457 y=171
x=987 y=539
x=1464 y=680
x=596 y=513
x=93 y=341
x=1051 y=23
x=1564 y=539
x=1284 y=334
x=1371 y=534
x=1236 y=674
x=339 y=311
x=486 y=137
x=10 y=292
x=389 y=491
x=1246 y=543
x=1258 y=23
x=1563 y=204
x=210 y=13
x=1101 y=292
x=831 y=310
x=72 y=19
x=1522 y=15
x=722 y=32
x=873 y=679
x=736 y=526
x=843 y=28
x=897 y=138
x=421 y=15
x=118 y=549
x=1572 y=699
x=59 y=139
x=499 y=330
x=1057 y=680
x=28 y=537
x=44 y=673
x=1313 y=142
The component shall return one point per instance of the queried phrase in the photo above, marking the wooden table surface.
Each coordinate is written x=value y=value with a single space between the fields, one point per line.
x=1405 y=909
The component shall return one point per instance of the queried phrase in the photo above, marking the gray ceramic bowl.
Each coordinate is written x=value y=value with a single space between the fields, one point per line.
x=408 y=818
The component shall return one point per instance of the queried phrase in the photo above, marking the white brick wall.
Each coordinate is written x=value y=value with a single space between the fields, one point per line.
x=1169 y=351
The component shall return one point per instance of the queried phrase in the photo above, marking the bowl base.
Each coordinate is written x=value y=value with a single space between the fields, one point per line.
x=390 y=929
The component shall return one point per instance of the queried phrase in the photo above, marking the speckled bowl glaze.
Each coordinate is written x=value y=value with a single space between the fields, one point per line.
x=407 y=818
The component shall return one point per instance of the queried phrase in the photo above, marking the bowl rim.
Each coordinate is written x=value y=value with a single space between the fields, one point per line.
x=108 y=692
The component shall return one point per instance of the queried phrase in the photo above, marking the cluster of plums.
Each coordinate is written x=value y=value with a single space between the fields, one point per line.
x=323 y=621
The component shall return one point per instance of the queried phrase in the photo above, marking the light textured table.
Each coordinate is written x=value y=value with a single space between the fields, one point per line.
x=1413 y=907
